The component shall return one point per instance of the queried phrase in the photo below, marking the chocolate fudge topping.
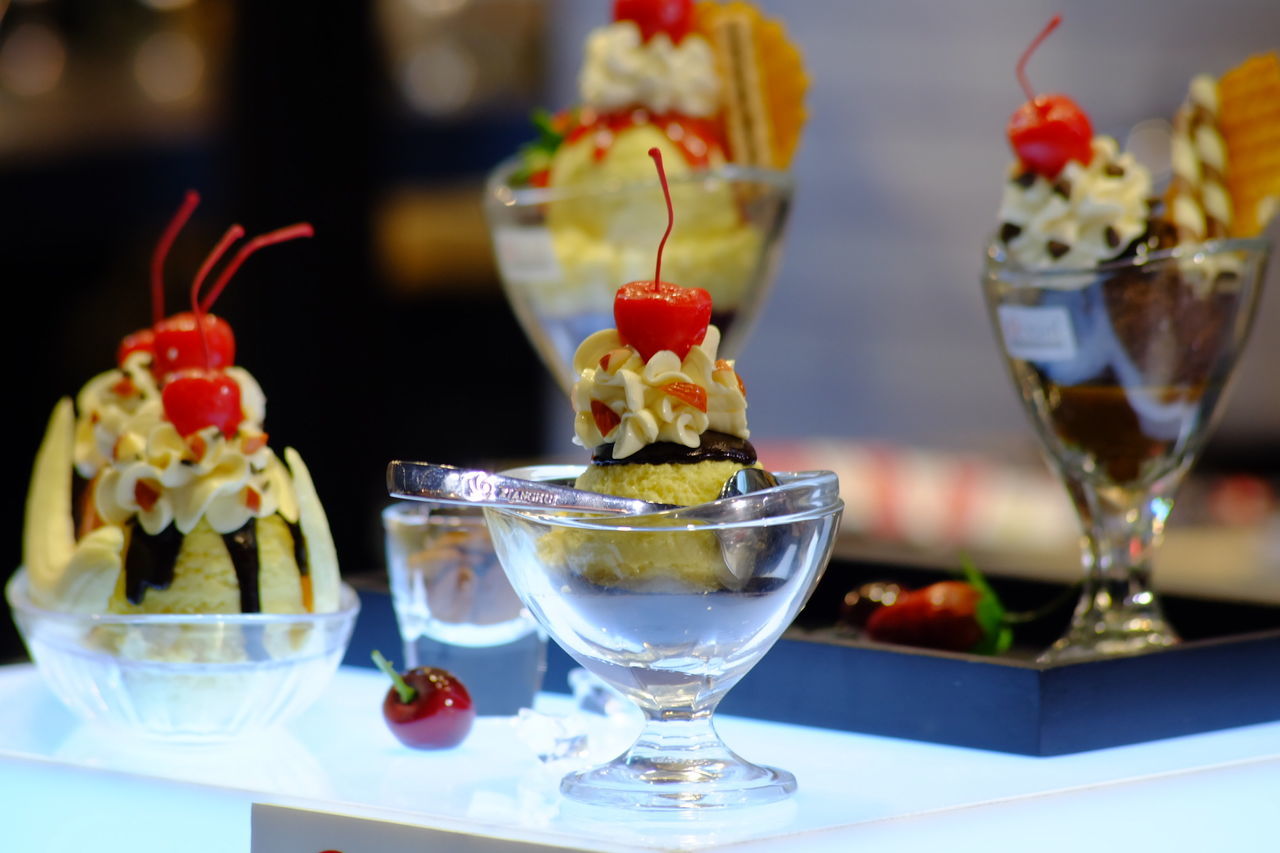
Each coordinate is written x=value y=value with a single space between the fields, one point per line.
x=715 y=446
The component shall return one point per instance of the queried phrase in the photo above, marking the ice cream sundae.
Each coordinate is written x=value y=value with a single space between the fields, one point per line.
x=1122 y=315
x=719 y=90
x=156 y=491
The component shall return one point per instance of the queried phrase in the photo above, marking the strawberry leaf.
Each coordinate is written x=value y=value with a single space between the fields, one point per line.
x=997 y=636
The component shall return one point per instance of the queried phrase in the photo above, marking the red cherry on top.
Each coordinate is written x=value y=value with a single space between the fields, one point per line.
x=197 y=397
x=143 y=340
x=658 y=315
x=178 y=344
x=1048 y=131
x=673 y=17
x=665 y=317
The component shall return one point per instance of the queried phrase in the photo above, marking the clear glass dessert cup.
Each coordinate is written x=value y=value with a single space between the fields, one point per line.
x=562 y=252
x=184 y=678
x=1122 y=370
x=672 y=609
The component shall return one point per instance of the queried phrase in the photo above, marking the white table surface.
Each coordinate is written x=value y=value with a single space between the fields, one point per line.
x=67 y=786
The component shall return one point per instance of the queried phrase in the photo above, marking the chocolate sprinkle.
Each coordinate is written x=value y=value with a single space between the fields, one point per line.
x=1025 y=180
x=1063 y=188
x=1057 y=249
x=1113 y=170
x=715 y=446
x=1113 y=237
x=1009 y=231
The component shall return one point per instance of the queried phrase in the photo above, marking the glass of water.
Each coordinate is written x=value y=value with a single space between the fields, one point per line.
x=455 y=608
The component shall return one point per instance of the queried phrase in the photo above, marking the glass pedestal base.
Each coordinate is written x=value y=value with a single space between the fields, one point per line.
x=674 y=784
x=1111 y=634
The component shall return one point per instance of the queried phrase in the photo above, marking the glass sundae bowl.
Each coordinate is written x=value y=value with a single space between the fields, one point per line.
x=672 y=609
x=1122 y=369
x=562 y=252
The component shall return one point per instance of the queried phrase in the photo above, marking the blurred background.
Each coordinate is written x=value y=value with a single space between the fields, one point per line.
x=388 y=336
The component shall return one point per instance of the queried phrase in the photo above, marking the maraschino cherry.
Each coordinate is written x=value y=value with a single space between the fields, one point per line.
x=195 y=338
x=195 y=397
x=178 y=344
x=1048 y=131
x=673 y=17
x=426 y=707
x=657 y=315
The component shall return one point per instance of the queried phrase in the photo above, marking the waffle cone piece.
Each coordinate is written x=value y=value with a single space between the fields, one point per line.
x=1199 y=204
x=765 y=82
x=1249 y=118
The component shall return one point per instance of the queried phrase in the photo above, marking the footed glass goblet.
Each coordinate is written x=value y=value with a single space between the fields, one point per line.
x=672 y=609
x=563 y=252
x=1122 y=369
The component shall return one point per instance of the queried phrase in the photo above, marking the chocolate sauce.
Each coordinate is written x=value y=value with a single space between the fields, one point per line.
x=715 y=446
x=242 y=545
x=299 y=548
x=149 y=561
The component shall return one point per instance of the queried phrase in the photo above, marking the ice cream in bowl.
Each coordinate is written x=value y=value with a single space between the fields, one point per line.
x=719 y=89
x=671 y=605
x=179 y=579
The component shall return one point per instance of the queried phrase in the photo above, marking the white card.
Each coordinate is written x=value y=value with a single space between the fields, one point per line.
x=280 y=829
x=1037 y=332
x=526 y=255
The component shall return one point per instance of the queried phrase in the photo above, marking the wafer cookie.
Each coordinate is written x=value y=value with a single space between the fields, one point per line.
x=1198 y=201
x=765 y=82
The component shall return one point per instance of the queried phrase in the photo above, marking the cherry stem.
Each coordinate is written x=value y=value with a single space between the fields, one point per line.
x=671 y=216
x=280 y=235
x=170 y=234
x=1026 y=54
x=407 y=694
x=234 y=233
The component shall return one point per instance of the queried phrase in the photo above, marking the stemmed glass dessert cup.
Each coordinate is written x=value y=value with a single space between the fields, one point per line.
x=1122 y=369
x=650 y=605
x=563 y=252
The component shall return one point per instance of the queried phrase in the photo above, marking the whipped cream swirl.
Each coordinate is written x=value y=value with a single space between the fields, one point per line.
x=1086 y=215
x=143 y=468
x=639 y=393
x=621 y=70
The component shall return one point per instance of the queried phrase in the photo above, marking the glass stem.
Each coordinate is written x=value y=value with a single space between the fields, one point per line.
x=1118 y=611
x=678 y=739
x=1125 y=529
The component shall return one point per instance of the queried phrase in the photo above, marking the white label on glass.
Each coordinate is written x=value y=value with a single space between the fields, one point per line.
x=526 y=255
x=1037 y=332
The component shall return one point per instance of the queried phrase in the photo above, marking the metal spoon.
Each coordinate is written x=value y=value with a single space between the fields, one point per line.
x=426 y=481
x=741 y=549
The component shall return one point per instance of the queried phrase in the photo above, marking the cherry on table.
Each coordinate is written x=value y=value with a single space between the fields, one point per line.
x=426 y=707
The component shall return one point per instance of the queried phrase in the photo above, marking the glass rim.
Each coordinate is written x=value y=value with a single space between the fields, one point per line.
x=997 y=260
x=499 y=194
x=19 y=598
x=420 y=512
x=625 y=523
